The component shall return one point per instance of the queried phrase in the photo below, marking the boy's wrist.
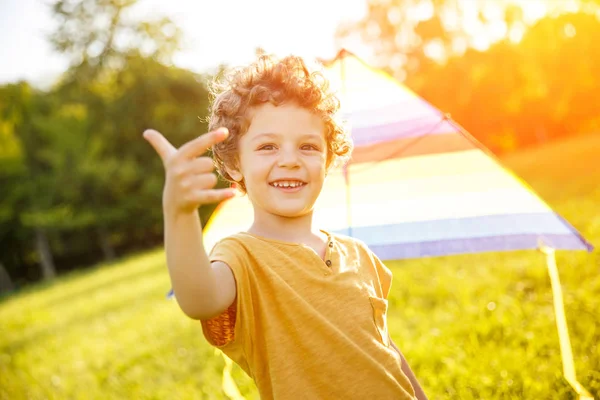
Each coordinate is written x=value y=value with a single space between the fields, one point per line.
x=173 y=214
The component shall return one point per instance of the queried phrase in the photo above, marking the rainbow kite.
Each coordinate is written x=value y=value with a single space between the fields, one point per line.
x=417 y=185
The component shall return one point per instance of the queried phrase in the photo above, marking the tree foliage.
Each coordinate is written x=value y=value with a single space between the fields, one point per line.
x=79 y=185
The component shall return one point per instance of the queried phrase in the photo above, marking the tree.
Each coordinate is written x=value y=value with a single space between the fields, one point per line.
x=412 y=36
x=97 y=36
x=100 y=42
x=120 y=70
x=13 y=178
x=407 y=36
x=520 y=94
x=563 y=73
x=72 y=162
x=33 y=197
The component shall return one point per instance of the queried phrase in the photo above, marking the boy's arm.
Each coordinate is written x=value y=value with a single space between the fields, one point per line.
x=409 y=374
x=201 y=289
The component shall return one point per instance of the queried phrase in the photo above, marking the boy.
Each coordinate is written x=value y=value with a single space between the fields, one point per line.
x=301 y=310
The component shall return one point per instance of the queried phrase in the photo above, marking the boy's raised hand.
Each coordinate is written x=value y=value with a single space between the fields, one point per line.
x=189 y=177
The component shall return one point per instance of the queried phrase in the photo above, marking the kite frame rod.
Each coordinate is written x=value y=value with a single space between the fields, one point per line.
x=346 y=170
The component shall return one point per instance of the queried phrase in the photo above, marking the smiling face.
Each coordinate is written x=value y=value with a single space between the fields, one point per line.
x=282 y=160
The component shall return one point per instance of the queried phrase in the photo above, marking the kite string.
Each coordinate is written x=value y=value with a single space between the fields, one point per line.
x=561 y=325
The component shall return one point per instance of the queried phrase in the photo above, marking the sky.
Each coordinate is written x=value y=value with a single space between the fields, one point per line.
x=215 y=32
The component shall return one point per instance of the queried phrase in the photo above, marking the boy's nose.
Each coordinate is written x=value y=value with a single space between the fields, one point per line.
x=288 y=159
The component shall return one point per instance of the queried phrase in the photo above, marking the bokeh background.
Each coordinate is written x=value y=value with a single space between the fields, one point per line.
x=82 y=271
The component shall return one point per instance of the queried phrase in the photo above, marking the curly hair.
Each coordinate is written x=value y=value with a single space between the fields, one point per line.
x=277 y=81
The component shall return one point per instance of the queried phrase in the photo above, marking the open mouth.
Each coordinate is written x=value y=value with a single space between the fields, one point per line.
x=287 y=184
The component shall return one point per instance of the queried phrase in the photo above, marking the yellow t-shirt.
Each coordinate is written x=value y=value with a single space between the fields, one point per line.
x=304 y=327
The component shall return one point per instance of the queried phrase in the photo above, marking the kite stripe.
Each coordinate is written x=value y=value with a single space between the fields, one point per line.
x=436 y=143
x=430 y=125
x=476 y=245
x=461 y=228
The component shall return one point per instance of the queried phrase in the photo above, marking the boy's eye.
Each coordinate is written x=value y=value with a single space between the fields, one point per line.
x=310 y=147
x=266 y=147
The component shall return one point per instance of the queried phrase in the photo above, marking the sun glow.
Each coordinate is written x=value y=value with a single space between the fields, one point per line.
x=230 y=31
x=483 y=35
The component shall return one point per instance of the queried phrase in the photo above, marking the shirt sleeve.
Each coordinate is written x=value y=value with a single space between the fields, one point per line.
x=384 y=274
x=225 y=330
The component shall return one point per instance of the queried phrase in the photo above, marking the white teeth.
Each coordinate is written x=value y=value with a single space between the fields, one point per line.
x=286 y=184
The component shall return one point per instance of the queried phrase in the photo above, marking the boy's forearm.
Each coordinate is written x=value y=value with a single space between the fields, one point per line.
x=189 y=267
x=410 y=375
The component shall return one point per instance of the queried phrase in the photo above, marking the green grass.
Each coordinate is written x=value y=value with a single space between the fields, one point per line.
x=473 y=327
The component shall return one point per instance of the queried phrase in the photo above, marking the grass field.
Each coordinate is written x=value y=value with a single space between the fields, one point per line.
x=473 y=327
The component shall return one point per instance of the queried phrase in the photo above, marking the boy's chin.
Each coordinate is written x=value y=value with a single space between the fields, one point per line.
x=292 y=212
x=290 y=208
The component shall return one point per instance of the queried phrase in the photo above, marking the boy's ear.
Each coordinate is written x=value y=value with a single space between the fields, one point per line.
x=234 y=174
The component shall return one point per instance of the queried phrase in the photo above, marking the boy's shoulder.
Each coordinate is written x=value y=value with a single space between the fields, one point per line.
x=234 y=239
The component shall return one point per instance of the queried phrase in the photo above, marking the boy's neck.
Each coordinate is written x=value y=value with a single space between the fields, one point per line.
x=297 y=229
